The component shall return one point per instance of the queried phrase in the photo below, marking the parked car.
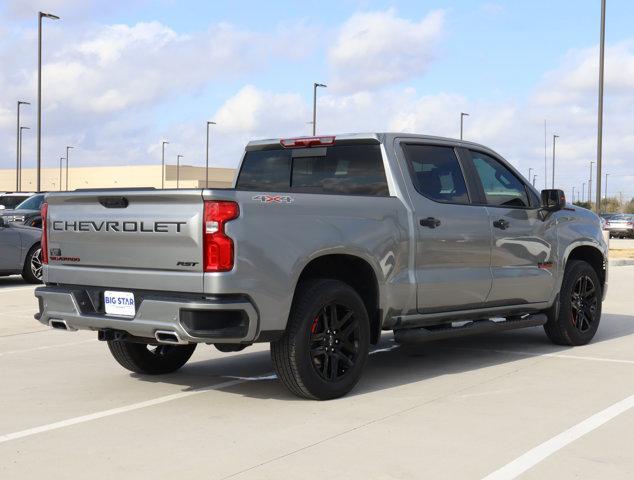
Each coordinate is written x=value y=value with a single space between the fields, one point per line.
x=27 y=212
x=621 y=226
x=323 y=243
x=10 y=200
x=20 y=251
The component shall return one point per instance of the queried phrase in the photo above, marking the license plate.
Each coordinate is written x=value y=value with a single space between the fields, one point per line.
x=119 y=303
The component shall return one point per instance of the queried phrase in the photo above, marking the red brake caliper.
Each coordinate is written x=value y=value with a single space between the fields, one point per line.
x=313 y=327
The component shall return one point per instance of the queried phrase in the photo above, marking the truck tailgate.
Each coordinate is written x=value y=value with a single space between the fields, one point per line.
x=142 y=239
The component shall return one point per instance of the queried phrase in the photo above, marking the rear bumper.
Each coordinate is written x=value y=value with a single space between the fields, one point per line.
x=222 y=319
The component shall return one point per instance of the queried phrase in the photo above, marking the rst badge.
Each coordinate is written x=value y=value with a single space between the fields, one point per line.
x=272 y=198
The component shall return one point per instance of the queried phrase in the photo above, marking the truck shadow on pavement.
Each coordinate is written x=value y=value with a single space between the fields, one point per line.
x=392 y=365
x=13 y=281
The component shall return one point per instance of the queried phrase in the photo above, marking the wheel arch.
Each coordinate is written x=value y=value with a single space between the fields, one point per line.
x=593 y=256
x=354 y=271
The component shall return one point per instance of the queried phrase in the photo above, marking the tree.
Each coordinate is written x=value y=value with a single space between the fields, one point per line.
x=610 y=205
x=629 y=206
x=587 y=205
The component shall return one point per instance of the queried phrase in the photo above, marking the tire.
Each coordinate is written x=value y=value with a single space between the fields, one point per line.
x=574 y=318
x=150 y=360
x=318 y=358
x=32 y=269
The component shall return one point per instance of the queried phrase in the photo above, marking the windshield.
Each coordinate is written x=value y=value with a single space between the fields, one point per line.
x=32 y=203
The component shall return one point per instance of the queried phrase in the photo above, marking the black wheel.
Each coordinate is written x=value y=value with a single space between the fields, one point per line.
x=148 y=359
x=574 y=319
x=32 y=270
x=324 y=349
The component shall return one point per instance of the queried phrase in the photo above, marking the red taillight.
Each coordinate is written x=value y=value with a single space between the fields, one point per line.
x=44 y=241
x=302 y=142
x=217 y=246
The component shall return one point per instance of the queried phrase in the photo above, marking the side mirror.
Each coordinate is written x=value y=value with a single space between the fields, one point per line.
x=553 y=200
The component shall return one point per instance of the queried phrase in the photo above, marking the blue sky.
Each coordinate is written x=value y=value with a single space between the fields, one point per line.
x=508 y=63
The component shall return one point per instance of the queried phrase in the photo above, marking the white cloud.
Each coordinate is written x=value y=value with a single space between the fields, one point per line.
x=375 y=49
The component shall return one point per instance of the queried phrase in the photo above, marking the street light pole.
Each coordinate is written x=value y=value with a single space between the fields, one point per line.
x=462 y=115
x=67 y=149
x=583 y=191
x=315 y=85
x=18 y=146
x=20 y=158
x=534 y=177
x=178 y=164
x=529 y=173
x=40 y=15
x=573 y=194
x=590 y=184
x=555 y=137
x=606 y=187
x=207 y=156
x=60 y=173
x=600 y=107
x=163 y=163
x=545 y=156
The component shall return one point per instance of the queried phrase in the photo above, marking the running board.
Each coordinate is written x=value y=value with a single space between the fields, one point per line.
x=441 y=332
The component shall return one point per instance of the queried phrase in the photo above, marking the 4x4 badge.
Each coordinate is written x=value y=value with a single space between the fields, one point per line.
x=273 y=198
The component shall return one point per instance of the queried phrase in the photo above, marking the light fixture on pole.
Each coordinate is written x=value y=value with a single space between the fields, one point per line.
x=40 y=15
x=315 y=85
x=600 y=107
x=207 y=156
x=555 y=137
x=163 y=162
x=20 y=158
x=18 y=146
x=67 y=149
x=178 y=164
x=462 y=115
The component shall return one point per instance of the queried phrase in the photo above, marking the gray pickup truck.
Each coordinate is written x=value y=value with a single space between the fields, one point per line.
x=323 y=243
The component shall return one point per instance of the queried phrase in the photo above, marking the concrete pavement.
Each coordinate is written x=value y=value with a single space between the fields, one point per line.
x=506 y=405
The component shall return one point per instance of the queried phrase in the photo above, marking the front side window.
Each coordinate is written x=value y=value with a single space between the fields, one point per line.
x=436 y=173
x=501 y=187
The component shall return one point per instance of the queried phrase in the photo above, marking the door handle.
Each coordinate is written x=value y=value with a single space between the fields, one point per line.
x=430 y=222
x=501 y=224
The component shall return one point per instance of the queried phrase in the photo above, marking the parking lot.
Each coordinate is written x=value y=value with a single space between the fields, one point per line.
x=505 y=404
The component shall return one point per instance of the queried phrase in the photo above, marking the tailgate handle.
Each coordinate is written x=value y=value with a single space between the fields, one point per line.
x=114 y=202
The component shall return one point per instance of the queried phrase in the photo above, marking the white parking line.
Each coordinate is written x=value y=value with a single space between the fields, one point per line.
x=46 y=347
x=553 y=355
x=535 y=455
x=113 y=411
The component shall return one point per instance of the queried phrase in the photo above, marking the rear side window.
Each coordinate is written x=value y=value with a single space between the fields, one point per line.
x=501 y=186
x=436 y=173
x=267 y=170
x=339 y=169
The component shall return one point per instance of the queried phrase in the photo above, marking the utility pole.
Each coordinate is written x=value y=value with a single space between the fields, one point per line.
x=20 y=158
x=40 y=15
x=178 y=165
x=207 y=156
x=67 y=149
x=315 y=85
x=590 y=185
x=18 y=147
x=600 y=107
x=163 y=163
x=462 y=115
x=60 y=172
x=545 y=156
x=555 y=137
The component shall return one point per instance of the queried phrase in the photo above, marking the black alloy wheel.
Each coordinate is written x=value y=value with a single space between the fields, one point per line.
x=334 y=341
x=583 y=304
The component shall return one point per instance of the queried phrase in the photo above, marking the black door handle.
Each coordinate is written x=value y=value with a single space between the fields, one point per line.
x=501 y=224
x=430 y=222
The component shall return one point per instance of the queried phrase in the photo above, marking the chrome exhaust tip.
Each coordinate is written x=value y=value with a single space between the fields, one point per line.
x=59 y=324
x=169 y=337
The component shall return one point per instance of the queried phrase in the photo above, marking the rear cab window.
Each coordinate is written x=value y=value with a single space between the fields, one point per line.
x=337 y=169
